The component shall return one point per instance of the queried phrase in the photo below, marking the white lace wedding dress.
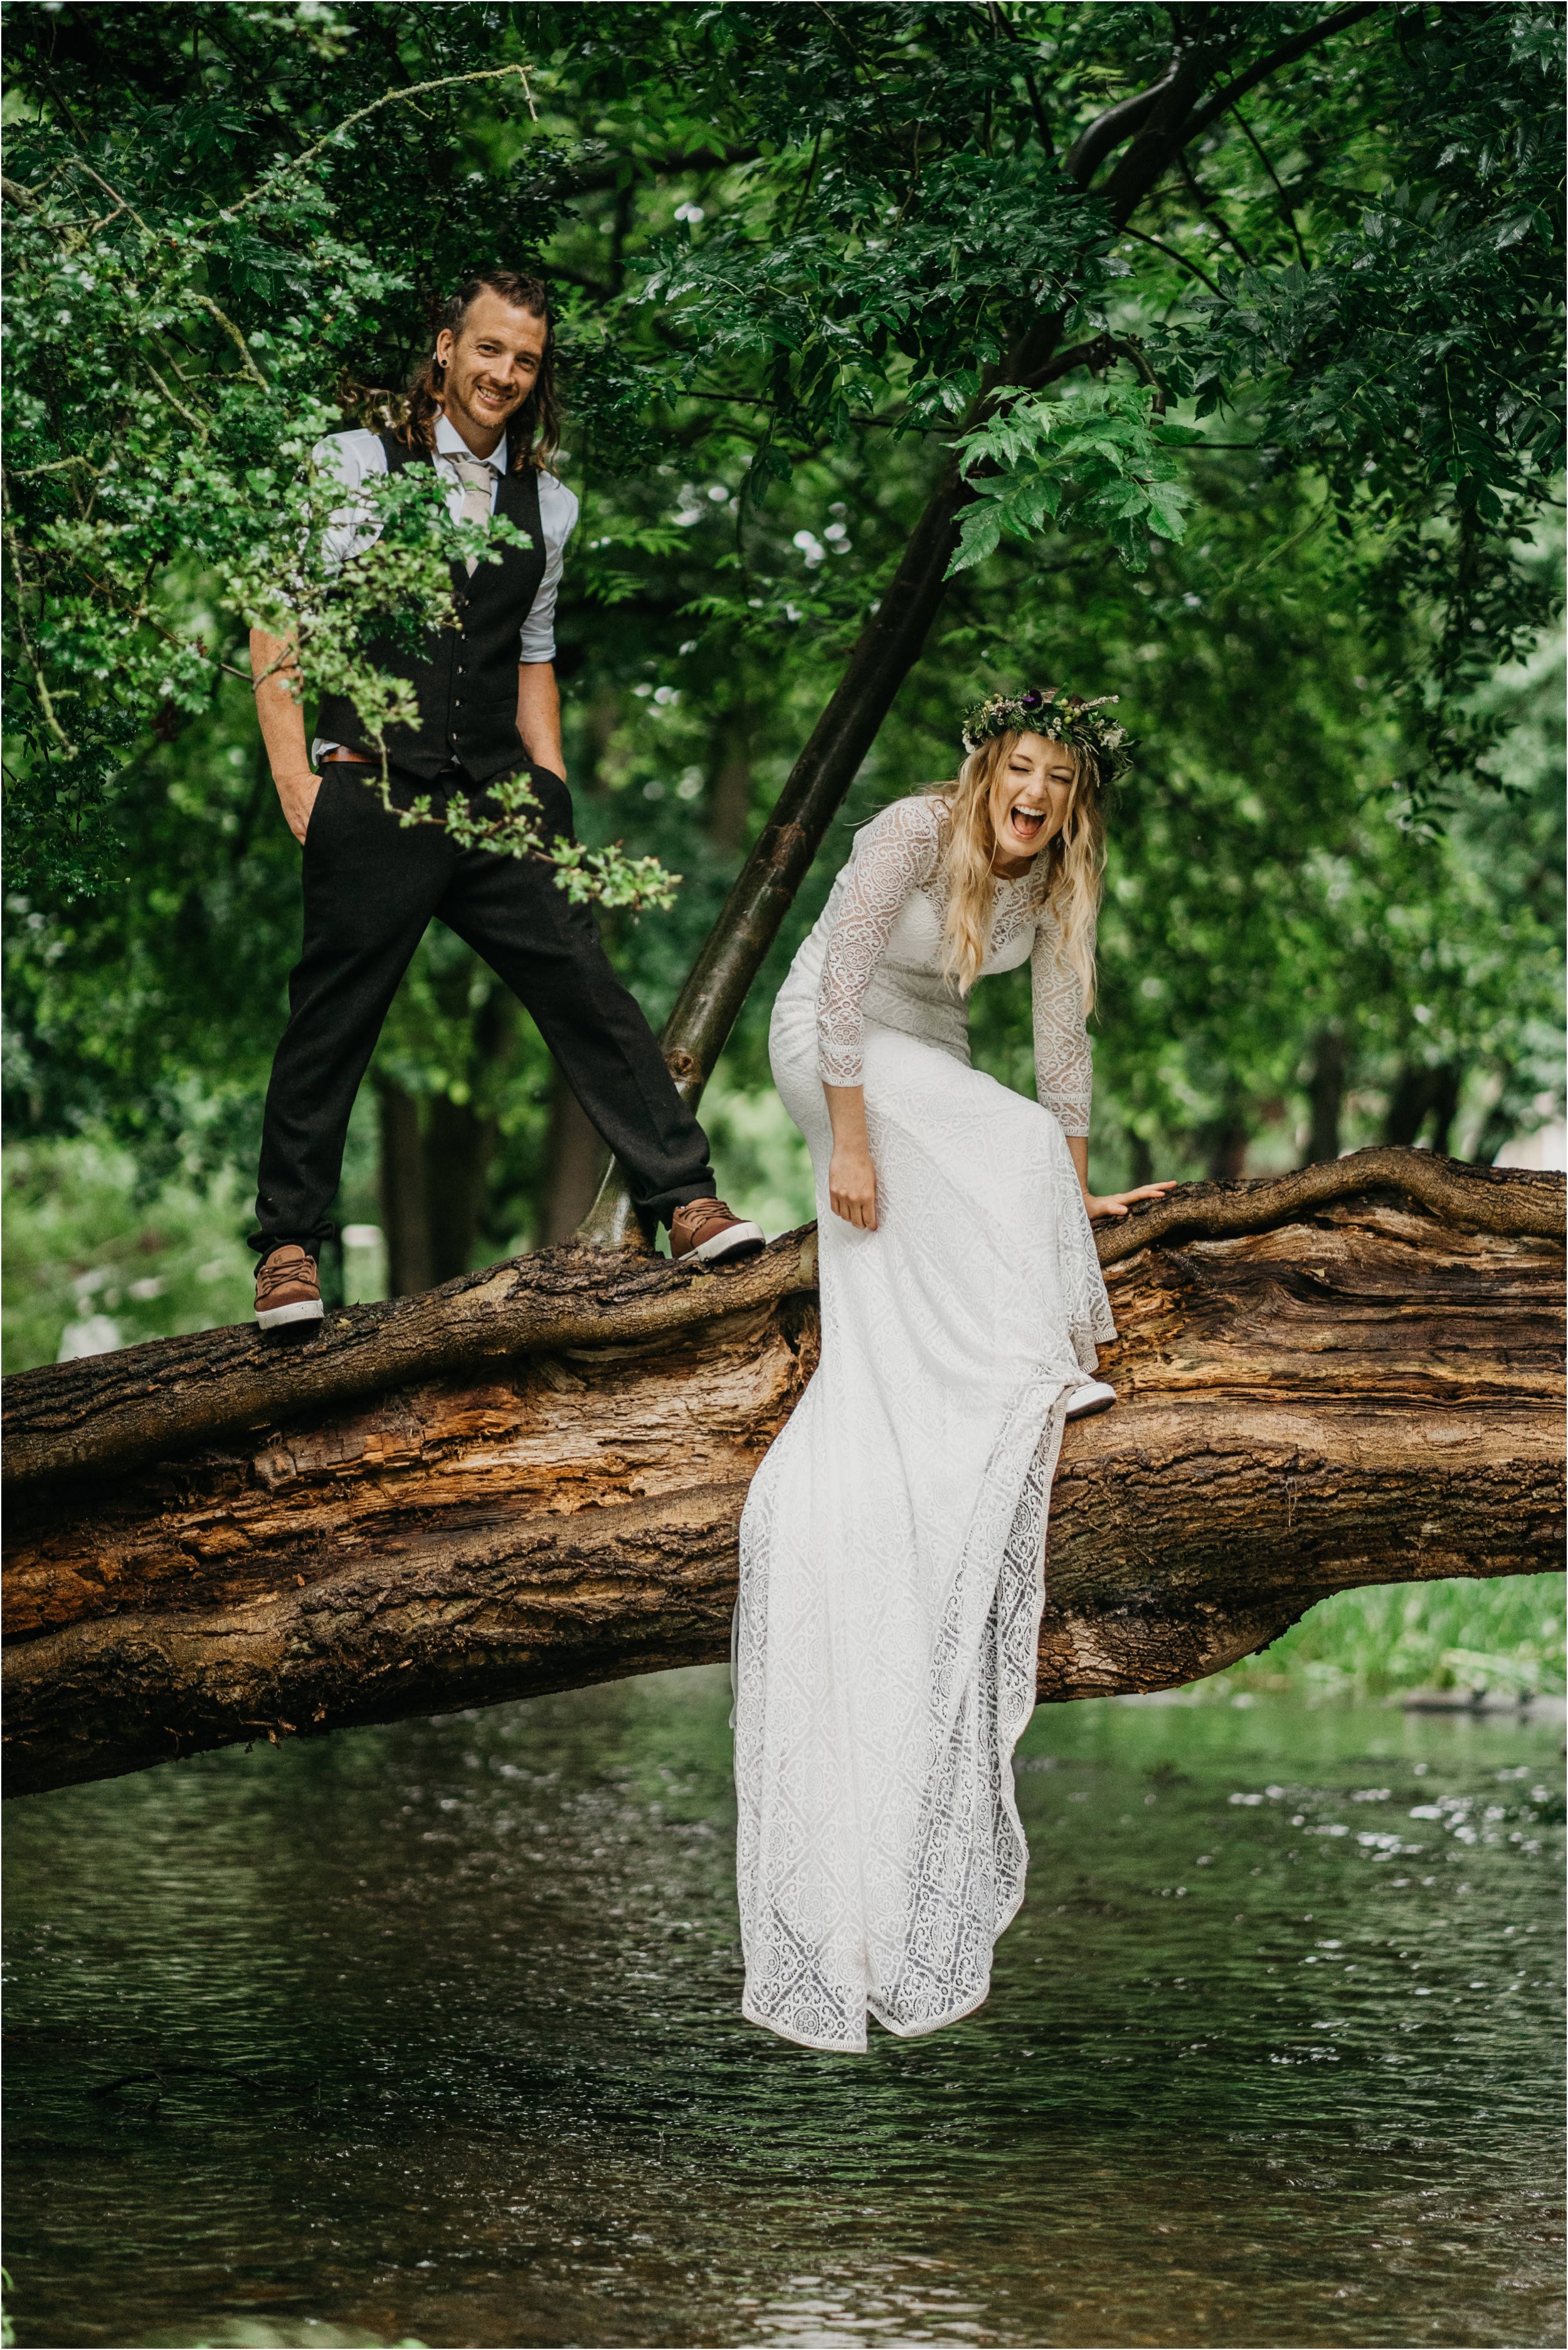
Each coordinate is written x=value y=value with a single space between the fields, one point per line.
x=892 y=1549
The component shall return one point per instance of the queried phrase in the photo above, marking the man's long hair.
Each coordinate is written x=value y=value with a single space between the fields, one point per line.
x=534 y=432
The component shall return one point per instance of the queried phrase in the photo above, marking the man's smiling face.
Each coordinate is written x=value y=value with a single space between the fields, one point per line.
x=492 y=365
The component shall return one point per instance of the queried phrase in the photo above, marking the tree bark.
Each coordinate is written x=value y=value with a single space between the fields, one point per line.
x=533 y=1478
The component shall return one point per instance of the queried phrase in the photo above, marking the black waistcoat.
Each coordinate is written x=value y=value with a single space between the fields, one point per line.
x=466 y=680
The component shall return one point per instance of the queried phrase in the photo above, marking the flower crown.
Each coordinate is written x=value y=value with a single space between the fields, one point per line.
x=1062 y=717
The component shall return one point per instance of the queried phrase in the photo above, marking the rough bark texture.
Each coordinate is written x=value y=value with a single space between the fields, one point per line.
x=533 y=1478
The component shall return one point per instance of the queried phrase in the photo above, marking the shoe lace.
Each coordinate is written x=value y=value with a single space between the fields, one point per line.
x=712 y=1212
x=273 y=1276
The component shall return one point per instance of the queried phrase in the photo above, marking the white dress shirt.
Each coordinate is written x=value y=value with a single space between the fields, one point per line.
x=354 y=455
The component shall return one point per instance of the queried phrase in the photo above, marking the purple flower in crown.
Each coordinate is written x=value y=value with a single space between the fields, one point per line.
x=1030 y=701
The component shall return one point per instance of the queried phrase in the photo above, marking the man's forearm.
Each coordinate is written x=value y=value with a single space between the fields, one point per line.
x=539 y=715
x=282 y=720
x=281 y=717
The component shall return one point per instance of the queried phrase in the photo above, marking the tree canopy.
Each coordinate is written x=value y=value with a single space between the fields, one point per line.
x=1207 y=355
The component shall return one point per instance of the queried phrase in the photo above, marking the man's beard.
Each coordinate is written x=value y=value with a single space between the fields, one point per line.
x=462 y=396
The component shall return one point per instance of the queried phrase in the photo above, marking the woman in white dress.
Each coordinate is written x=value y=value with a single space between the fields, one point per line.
x=893 y=1542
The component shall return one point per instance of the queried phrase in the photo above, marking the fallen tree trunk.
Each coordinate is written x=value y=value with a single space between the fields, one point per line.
x=532 y=1478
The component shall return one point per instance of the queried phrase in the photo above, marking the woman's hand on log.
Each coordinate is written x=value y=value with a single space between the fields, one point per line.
x=1116 y=1203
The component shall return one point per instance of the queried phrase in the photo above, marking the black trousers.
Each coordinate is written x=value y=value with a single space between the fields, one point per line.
x=371 y=888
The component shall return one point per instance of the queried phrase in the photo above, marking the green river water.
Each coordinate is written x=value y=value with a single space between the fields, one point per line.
x=432 y=2032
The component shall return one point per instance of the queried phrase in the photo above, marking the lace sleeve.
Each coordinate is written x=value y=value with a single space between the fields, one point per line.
x=895 y=854
x=1063 y=1077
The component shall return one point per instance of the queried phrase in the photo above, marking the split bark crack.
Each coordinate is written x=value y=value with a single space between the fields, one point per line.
x=532 y=1478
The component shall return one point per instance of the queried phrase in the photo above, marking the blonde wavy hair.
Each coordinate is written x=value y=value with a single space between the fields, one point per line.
x=1067 y=871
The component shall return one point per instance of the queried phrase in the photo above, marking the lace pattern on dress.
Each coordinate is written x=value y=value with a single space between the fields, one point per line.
x=899 y=853
x=891 y=1546
x=895 y=854
x=1063 y=1074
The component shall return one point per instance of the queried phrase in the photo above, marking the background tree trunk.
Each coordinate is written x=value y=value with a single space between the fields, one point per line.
x=459 y=1144
x=436 y=1156
x=575 y=1158
x=532 y=1478
x=405 y=1202
x=730 y=785
x=1326 y=1096
x=1420 y=1093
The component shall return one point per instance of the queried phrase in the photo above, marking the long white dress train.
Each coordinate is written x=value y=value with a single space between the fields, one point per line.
x=892 y=1549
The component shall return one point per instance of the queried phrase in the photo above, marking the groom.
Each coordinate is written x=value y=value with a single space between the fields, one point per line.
x=483 y=412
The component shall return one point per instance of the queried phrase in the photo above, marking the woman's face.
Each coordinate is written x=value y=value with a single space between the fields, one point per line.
x=1030 y=795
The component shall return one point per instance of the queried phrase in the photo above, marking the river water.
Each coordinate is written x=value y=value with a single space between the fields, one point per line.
x=431 y=2032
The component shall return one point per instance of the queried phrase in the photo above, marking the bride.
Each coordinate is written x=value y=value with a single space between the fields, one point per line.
x=893 y=1542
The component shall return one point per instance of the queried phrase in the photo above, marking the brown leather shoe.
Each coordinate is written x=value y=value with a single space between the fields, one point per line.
x=706 y=1229
x=288 y=1289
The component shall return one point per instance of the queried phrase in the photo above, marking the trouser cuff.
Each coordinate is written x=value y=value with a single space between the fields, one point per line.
x=312 y=1243
x=662 y=1207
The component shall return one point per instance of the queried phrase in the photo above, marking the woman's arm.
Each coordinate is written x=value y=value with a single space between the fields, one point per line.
x=852 y=1179
x=894 y=855
x=1064 y=1077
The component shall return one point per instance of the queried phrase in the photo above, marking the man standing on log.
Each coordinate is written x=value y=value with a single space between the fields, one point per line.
x=483 y=412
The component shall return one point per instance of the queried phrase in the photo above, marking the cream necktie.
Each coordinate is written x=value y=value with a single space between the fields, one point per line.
x=474 y=473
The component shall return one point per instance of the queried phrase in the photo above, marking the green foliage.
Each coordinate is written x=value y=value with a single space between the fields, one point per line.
x=796 y=253
x=1099 y=459
x=95 y=1259
x=1501 y=1635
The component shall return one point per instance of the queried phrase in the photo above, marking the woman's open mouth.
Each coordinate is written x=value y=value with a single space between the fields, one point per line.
x=1027 y=824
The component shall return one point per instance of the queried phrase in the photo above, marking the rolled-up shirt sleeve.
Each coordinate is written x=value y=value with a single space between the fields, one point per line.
x=558 y=520
x=352 y=456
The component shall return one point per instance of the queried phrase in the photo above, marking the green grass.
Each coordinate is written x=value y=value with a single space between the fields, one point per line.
x=1500 y=1633
x=86 y=1242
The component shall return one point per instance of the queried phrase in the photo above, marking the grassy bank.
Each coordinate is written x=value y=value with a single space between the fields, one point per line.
x=1501 y=1633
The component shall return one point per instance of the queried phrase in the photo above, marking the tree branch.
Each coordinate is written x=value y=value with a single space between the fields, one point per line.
x=1180 y=258
x=999 y=16
x=1484 y=1198
x=1211 y=213
x=1286 y=205
x=388 y=97
x=1120 y=122
x=53 y=724
x=1301 y=45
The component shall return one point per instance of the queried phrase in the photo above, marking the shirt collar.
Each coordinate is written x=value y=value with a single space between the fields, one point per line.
x=450 y=442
